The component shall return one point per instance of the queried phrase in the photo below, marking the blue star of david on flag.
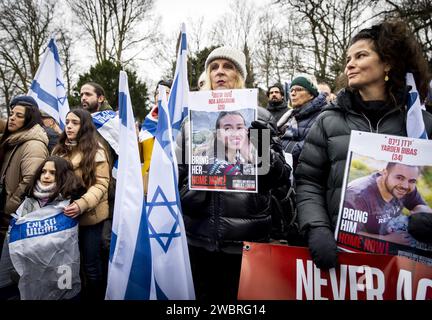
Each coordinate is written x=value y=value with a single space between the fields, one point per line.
x=59 y=83
x=170 y=215
x=170 y=255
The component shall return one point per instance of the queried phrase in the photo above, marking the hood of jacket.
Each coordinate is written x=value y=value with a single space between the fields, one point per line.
x=311 y=107
x=34 y=133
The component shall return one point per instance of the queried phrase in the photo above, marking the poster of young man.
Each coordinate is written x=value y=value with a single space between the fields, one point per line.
x=222 y=156
x=387 y=179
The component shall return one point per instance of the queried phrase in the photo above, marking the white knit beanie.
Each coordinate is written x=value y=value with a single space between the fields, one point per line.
x=235 y=56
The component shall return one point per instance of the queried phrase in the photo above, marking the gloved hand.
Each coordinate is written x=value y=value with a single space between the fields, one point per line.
x=278 y=171
x=258 y=130
x=420 y=226
x=322 y=247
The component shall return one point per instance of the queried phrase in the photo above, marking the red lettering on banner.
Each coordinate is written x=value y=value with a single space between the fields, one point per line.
x=351 y=240
x=376 y=246
x=199 y=180
x=217 y=180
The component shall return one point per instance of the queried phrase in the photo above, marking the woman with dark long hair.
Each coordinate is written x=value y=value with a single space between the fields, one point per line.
x=80 y=144
x=374 y=100
x=23 y=147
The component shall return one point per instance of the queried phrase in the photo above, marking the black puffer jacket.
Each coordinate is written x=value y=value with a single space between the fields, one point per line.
x=221 y=221
x=320 y=172
x=296 y=123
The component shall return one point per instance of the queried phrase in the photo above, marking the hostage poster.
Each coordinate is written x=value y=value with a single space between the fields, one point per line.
x=387 y=179
x=222 y=158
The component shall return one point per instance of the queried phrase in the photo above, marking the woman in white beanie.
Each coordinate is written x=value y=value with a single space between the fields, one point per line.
x=217 y=223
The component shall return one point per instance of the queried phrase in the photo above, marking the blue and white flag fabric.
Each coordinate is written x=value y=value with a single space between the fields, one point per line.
x=107 y=123
x=149 y=126
x=170 y=255
x=130 y=265
x=48 y=87
x=415 y=125
x=43 y=246
x=178 y=98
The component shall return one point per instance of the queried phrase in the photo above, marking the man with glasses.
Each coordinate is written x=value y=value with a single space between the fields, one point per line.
x=306 y=104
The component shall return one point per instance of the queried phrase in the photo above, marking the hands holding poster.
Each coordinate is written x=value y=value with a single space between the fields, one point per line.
x=222 y=156
x=387 y=179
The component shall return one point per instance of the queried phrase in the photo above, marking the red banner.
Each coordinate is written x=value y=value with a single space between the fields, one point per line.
x=279 y=272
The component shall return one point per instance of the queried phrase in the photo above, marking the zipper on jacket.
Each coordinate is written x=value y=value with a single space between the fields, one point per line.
x=370 y=124
x=388 y=113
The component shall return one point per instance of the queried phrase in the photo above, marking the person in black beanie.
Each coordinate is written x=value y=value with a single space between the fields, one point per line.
x=374 y=100
x=277 y=104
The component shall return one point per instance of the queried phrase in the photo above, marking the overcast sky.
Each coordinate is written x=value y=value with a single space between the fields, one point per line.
x=173 y=13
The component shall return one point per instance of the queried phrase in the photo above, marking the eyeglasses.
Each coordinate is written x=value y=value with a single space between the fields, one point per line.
x=297 y=89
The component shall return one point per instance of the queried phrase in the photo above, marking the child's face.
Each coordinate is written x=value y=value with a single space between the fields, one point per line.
x=48 y=173
x=73 y=125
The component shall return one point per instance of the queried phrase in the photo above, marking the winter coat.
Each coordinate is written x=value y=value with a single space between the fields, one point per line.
x=296 y=123
x=25 y=151
x=221 y=221
x=277 y=110
x=94 y=203
x=320 y=171
x=53 y=137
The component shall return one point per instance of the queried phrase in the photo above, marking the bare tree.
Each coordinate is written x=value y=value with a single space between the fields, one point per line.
x=25 y=27
x=94 y=17
x=113 y=24
x=278 y=49
x=65 y=44
x=418 y=15
x=327 y=28
x=237 y=25
x=238 y=31
x=196 y=33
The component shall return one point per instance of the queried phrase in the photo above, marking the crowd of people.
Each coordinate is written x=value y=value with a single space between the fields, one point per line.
x=309 y=129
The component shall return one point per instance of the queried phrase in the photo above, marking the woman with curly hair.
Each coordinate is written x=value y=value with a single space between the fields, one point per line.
x=374 y=100
x=80 y=145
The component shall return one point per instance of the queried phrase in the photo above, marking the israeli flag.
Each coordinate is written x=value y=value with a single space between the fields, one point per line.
x=415 y=124
x=170 y=255
x=178 y=98
x=149 y=126
x=48 y=87
x=130 y=264
x=107 y=123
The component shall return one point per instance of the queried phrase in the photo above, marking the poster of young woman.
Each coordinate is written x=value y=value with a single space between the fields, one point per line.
x=222 y=157
x=387 y=180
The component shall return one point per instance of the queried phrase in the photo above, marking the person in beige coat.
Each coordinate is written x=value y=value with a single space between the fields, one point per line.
x=23 y=147
x=80 y=144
